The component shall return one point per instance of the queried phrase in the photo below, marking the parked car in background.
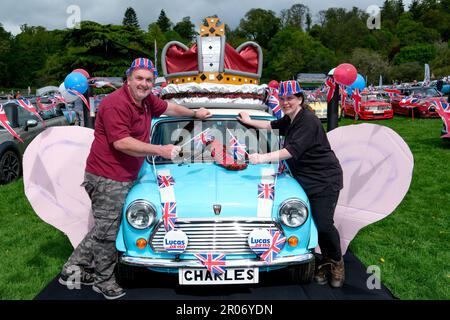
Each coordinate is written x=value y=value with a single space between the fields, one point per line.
x=319 y=105
x=373 y=106
x=27 y=126
x=418 y=100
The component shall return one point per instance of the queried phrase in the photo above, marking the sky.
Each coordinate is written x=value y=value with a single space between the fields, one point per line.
x=59 y=14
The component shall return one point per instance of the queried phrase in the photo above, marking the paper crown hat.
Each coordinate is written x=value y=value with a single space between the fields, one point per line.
x=288 y=88
x=142 y=63
x=211 y=59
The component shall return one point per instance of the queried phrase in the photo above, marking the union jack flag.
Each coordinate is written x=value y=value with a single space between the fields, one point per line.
x=165 y=181
x=343 y=95
x=409 y=101
x=26 y=104
x=202 y=139
x=331 y=86
x=357 y=100
x=4 y=122
x=214 y=262
x=274 y=103
x=442 y=105
x=169 y=215
x=266 y=191
x=237 y=148
x=392 y=92
x=277 y=244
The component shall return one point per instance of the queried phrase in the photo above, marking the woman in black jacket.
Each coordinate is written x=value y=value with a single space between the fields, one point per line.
x=315 y=166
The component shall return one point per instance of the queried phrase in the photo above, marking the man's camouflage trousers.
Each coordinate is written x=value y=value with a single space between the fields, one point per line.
x=99 y=245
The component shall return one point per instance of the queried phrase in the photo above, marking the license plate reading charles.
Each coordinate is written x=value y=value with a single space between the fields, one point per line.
x=231 y=276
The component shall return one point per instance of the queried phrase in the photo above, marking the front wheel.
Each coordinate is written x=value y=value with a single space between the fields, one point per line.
x=9 y=167
x=303 y=273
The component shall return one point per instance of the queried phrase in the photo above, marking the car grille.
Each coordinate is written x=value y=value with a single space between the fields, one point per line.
x=224 y=236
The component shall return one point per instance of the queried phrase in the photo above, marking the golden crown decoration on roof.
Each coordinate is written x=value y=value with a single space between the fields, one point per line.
x=211 y=59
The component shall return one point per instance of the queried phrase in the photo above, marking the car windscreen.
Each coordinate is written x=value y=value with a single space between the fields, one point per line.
x=195 y=137
x=425 y=92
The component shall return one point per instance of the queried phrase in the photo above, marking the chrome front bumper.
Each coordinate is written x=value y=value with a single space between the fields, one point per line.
x=238 y=263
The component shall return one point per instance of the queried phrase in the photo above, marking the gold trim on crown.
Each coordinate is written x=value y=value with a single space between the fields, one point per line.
x=212 y=30
x=206 y=77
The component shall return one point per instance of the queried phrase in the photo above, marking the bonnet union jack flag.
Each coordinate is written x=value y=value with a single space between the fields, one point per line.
x=237 y=148
x=266 y=191
x=278 y=241
x=214 y=262
x=165 y=181
x=202 y=139
x=169 y=215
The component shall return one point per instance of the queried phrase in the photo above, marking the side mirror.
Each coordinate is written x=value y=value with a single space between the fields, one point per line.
x=30 y=124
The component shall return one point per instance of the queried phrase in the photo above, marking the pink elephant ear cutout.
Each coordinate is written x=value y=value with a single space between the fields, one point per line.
x=53 y=170
x=378 y=167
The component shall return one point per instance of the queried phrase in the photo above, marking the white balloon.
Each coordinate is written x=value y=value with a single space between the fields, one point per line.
x=66 y=95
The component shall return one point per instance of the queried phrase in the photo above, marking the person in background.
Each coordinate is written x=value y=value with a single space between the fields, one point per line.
x=79 y=110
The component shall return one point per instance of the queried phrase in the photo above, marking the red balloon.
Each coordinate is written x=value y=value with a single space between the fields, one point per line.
x=345 y=74
x=83 y=72
x=273 y=84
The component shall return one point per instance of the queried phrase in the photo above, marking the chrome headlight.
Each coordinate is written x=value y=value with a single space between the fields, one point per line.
x=293 y=213
x=141 y=214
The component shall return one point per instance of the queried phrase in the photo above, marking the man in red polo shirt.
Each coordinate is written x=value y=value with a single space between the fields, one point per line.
x=121 y=143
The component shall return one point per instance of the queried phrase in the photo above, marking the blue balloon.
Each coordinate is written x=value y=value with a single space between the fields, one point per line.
x=76 y=81
x=349 y=91
x=359 y=83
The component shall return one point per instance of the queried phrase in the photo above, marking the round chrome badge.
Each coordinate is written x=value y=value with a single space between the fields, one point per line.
x=259 y=240
x=175 y=241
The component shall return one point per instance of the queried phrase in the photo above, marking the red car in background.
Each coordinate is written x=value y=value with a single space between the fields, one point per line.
x=418 y=100
x=373 y=106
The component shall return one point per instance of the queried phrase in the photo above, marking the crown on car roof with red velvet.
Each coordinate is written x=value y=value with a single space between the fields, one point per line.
x=211 y=59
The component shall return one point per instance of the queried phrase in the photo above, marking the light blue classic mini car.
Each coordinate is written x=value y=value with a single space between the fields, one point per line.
x=211 y=223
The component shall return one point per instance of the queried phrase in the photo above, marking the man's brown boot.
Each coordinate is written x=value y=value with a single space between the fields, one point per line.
x=337 y=274
x=323 y=272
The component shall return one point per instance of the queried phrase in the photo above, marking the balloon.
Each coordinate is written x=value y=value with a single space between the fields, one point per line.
x=359 y=83
x=349 y=91
x=66 y=95
x=331 y=72
x=83 y=72
x=273 y=84
x=345 y=74
x=76 y=81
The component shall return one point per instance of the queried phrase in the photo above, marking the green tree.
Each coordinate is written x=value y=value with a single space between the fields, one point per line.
x=130 y=19
x=370 y=64
x=5 y=47
x=293 y=51
x=102 y=50
x=164 y=22
x=35 y=42
x=423 y=53
x=440 y=65
x=260 y=26
x=407 y=72
x=295 y=17
x=186 y=29
x=411 y=32
x=343 y=30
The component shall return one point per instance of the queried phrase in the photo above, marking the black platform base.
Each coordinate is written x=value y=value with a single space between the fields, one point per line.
x=273 y=286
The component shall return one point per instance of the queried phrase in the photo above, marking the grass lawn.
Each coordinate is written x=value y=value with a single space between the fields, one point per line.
x=411 y=246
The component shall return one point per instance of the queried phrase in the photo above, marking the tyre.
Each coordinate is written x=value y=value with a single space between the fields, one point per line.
x=303 y=273
x=10 y=167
